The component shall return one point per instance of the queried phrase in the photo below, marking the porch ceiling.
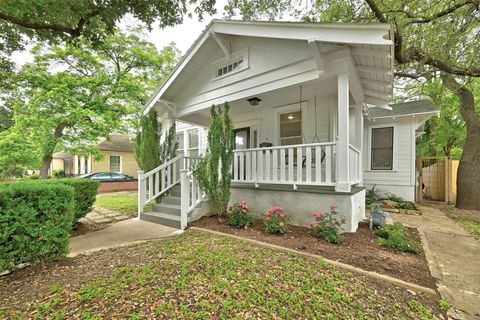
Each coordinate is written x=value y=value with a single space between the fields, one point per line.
x=272 y=99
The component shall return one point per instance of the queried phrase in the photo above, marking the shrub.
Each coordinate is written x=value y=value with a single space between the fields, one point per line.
x=394 y=236
x=58 y=174
x=400 y=202
x=275 y=221
x=372 y=195
x=238 y=215
x=85 y=194
x=327 y=226
x=35 y=222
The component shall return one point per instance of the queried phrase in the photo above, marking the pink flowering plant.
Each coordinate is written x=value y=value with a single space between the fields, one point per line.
x=275 y=221
x=327 y=225
x=238 y=215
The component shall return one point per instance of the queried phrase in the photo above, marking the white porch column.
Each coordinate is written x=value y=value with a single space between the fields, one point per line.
x=342 y=157
x=359 y=139
x=82 y=165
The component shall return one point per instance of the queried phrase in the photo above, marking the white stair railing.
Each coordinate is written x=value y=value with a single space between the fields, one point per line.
x=156 y=182
x=191 y=194
x=303 y=164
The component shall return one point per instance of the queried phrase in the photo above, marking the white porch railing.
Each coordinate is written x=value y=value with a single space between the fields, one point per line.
x=305 y=164
x=354 y=163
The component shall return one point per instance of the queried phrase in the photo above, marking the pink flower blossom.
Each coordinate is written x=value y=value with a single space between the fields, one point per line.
x=281 y=224
x=242 y=203
x=313 y=223
x=229 y=205
x=333 y=207
x=337 y=221
x=267 y=218
x=268 y=213
x=281 y=215
x=245 y=227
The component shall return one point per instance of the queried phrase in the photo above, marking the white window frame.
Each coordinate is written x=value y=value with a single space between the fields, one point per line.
x=286 y=109
x=395 y=147
x=188 y=142
x=240 y=54
x=109 y=163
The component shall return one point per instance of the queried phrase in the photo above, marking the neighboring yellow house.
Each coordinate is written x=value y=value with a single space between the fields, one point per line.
x=117 y=157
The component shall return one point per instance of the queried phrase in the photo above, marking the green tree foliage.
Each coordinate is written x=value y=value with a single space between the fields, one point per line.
x=15 y=154
x=445 y=135
x=169 y=147
x=73 y=95
x=213 y=171
x=147 y=142
x=57 y=21
x=431 y=38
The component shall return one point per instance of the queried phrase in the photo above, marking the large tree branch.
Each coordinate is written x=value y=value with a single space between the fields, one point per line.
x=72 y=31
x=442 y=13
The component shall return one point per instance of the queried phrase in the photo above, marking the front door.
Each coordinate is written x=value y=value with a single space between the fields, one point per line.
x=242 y=138
x=242 y=142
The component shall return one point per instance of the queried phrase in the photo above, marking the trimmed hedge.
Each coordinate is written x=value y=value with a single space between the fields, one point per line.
x=85 y=194
x=35 y=222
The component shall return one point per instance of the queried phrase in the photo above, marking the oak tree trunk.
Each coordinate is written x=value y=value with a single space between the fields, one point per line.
x=49 y=149
x=468 y=175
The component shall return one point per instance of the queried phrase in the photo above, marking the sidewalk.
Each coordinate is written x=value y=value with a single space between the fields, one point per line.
x=117 y=235
x=453 y=256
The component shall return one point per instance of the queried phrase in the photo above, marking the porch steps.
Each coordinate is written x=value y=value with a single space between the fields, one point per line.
x=167 y=212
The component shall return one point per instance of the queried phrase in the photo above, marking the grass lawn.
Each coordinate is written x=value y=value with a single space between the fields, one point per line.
x=203 y=276
x=123 y=203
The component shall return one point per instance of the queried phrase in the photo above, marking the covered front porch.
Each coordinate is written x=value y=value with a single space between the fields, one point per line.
x=306 y=134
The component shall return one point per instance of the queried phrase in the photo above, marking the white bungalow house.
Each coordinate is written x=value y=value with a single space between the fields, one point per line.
x=309 y=104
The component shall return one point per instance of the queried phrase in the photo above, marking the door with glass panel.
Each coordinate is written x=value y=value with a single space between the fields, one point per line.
x=242 y=142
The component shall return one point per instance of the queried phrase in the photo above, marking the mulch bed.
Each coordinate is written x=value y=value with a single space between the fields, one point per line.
x=360 y=249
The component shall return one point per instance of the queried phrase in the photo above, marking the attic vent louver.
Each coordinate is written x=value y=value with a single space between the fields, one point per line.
x=234 y=66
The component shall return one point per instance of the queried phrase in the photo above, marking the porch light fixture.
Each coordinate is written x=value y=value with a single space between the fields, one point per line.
x=254 y=101
x=290 y=117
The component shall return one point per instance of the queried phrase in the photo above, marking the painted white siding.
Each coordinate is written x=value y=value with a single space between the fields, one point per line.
x=400 y=180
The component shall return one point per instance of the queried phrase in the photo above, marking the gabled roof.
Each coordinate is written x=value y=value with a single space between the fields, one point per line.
x=410 y=108
x=367 y=38
x=117 y=142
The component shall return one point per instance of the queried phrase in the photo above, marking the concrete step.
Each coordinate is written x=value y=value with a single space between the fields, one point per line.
x=167 y=208
x=174 y=193
x=161 y=218
x=171 y=200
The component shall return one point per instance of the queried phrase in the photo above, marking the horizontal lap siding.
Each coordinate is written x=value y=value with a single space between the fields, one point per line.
x=403 y=169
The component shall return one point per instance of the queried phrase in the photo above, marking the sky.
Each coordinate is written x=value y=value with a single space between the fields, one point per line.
x=183 y=34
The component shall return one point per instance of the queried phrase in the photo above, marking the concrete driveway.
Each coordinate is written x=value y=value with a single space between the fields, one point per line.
x=119 y=234
x=453 y=256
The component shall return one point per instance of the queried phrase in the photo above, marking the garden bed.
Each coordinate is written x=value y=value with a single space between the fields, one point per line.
x=360 y=249
x=202 y=276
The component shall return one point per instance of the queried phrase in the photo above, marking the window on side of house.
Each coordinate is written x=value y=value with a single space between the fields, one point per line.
x=290 y=128
x=180 y=141
x=382 y=149
x=193 y=143
x=115 y=164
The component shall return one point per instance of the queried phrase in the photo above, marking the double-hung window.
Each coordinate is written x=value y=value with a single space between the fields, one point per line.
x=193 y=143
x=115 y=164
x=382 y=149
x=291 y=128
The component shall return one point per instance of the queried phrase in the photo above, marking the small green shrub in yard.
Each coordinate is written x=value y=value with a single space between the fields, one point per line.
x=85 y=194
x=275 y=221
x=372 y=195
x=327 y=226
x=394 y=236
x=35 y=222
x=238 y=215
x=400 y=202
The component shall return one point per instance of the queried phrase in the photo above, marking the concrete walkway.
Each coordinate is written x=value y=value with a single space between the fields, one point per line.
x=117 y=235
x=453 y=256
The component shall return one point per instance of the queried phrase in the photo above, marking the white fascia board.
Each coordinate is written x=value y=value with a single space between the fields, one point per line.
x=427 y=114
x=180 y=66
x=376 y=34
